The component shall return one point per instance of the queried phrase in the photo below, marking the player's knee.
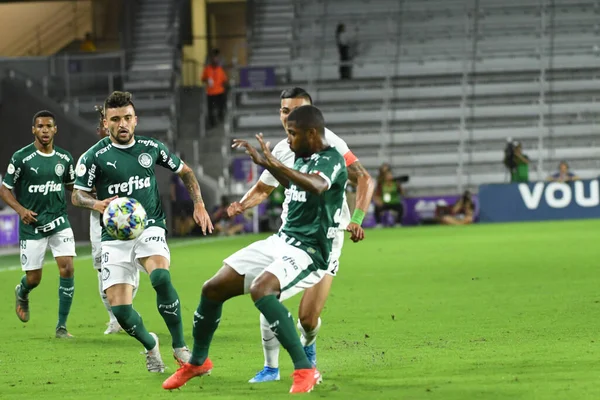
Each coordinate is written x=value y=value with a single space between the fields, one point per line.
x=261 y=288
x=160 y=277
x=212 y=289
x=65 y=267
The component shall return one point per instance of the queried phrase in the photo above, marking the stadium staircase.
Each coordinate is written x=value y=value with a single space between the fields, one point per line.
x=271 y=32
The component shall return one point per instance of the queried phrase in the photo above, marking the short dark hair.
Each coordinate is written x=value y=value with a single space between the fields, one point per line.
x=117 y=100
x=308 y=117
x=100 y=111
x=43 y=114
x=296 y=93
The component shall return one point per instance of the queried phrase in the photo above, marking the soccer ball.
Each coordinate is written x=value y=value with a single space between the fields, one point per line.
x=124 y=218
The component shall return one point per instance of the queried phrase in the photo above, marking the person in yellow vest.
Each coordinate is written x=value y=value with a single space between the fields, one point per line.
x=215 y=79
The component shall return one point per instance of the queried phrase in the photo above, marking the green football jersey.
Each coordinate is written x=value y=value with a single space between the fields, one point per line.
x=127 y=171
x=313 y=220
x=39 y=180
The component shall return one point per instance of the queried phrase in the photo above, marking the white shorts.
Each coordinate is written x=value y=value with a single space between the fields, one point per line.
x=336 y=252
x=62 y=244
x=292 y=266
x=96 y=239
x=120 y=258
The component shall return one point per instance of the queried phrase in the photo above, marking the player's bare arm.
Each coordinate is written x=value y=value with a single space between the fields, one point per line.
x=312 y=183
x=256 y=195
x=365 y=186
x=83 y=199
x=193 y=187
x=27 y=216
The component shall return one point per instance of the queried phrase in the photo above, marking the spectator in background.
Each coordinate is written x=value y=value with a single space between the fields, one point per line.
x=182 y=206
x=388 y=196
x=215 y=78
x=344 y=46
x=88 y=44
x=461 y=213
x=224 y=225
x=516 y=162
x=563 y=174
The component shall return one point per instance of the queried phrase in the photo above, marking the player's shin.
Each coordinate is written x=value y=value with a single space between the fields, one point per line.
x=206 y=321
x=169 y=307
x=132 y=323
x=282 y=325
x=270 y=344
x=25 y=288
x=104 y=299
x=66 y=290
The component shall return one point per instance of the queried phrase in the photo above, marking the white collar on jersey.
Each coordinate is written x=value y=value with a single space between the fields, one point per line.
x=46 y=155
x=123 y=146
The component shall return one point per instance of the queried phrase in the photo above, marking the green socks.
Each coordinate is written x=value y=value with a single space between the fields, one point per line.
x=206 y=321
x=66 y=289
x=282 y=325
x=167 y=302
x=24 y=289
x=132 y=323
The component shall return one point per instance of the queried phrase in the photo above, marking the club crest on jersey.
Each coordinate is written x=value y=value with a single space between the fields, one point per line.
x=59 y=169
x=145 y=160
x=11 y=169
x=81 y=170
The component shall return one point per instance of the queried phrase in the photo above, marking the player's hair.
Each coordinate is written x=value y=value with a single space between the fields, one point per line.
x=100 y=111
x=296 y=93
x=308 y=117
x=42 y=114
x=117 y=100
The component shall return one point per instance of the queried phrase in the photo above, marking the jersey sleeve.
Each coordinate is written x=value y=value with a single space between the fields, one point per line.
x=282 y=153
x=328 y=168
x=168 y=160
x=69 y=176
x=341 y=146
x=13 y=172
x=85 y=172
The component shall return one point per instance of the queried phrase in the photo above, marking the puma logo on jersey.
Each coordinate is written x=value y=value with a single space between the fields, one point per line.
x=34 y=169
x=46 y=188
x=126 y=188
x=114 y=165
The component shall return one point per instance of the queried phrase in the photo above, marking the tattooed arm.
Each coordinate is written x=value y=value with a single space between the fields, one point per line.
x=191 y=184
x=83 y=199
x=365 y=185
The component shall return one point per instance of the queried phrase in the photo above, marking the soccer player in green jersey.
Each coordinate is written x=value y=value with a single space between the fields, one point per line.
x=294 y=259
x=38 y=174
x=123 y=165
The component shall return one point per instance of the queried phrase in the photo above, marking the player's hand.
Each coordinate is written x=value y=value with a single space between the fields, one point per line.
x=234 y=209
x=202 y=218
x=101 y=205
x=250 y=150
x=269 y=158
x=358 y=233
x=27 y=216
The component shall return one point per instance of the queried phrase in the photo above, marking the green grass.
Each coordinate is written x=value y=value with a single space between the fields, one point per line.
x=481 y=312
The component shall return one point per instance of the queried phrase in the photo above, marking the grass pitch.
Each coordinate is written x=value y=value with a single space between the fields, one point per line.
x=480 y=312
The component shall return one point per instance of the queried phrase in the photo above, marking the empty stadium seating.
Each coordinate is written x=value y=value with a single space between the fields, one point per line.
x=439 y=85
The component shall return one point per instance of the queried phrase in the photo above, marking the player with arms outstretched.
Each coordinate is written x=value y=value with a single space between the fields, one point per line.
x=123 y=165
x=314 y=298
x=288 y=262
x=38 y=174
x=96 y=242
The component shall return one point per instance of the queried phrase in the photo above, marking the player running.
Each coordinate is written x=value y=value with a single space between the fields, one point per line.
x=38 y=174
x=123 y=165
x=96 y=241
x=288 y=262
x=314 y=298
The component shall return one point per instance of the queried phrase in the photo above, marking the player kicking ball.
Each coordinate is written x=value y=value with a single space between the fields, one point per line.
x=313 y=299
x=123 y=165
x=286 y=263
x=96 y=242
x=39 y=174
